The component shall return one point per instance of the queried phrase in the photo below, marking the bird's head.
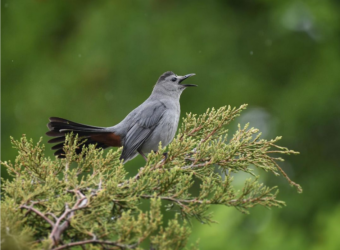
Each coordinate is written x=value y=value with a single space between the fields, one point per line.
x=172 y=84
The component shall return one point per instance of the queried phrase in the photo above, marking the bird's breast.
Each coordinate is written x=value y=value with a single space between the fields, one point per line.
x=164 y=132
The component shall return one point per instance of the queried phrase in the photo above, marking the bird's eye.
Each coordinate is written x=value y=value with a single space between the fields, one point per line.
x=174 y=79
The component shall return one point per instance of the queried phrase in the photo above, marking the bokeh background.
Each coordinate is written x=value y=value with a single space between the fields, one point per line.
x=94 y=61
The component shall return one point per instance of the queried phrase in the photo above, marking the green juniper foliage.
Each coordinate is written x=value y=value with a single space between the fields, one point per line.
x=87 y=201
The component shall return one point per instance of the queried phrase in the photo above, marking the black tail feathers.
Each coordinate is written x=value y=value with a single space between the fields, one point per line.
x=59 y=127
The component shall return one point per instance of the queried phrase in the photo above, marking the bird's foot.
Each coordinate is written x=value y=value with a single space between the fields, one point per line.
x=165 y=156
x=142 y=154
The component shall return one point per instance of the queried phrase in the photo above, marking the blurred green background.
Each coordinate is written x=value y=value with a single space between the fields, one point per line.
x=94 y=61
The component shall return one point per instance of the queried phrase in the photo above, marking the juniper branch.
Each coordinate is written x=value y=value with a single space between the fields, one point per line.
x=233 y=202
x=95 y=241
x=106 y=204
x=59 y=228
x=299 y=188
x=37 y=212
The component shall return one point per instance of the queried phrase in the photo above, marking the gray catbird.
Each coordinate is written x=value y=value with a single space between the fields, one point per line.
x=154 y=121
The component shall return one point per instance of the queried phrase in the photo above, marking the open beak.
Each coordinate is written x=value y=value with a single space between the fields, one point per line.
x=182 y=78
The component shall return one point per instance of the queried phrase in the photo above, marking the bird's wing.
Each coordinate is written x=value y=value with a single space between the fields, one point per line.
x=148 y=119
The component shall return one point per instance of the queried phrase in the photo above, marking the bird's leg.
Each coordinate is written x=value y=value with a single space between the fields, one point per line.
x=142 y=154
x=165 y=156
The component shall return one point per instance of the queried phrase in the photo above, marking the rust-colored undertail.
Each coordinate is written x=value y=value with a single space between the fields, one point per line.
x=59 y=127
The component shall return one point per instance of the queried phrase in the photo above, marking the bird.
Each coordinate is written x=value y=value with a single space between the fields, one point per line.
x=140 y=132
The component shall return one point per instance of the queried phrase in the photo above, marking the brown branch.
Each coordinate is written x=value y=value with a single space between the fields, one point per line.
x=95 y=241
x=197 y=165
x=299 y=188
x=59 y=228
x=280 y=152
x=37 y=212
x=195 y=201
x=137 y=176
x=67 y=167
x=52 y=215
x=193 y=131
x=179 y=201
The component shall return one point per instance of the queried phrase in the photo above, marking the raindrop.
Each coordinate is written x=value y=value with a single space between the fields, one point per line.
x=251 y=53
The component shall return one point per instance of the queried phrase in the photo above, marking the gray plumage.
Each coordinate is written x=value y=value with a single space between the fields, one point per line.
x=154 y=121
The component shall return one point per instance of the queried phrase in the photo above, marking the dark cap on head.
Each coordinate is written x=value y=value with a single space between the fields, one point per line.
x=165 y=75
